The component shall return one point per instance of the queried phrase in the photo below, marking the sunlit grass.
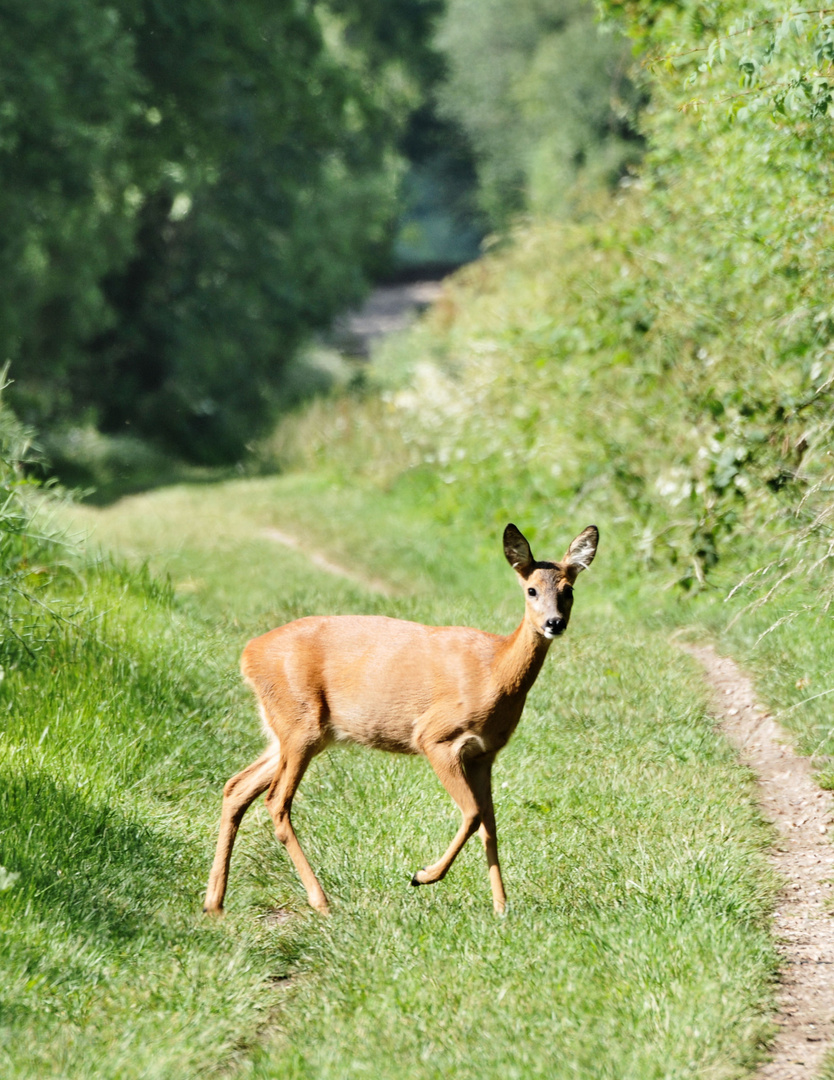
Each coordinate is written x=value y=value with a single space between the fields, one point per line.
x=635 y=942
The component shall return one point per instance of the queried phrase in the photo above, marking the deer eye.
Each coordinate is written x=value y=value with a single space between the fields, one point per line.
x=532 y=592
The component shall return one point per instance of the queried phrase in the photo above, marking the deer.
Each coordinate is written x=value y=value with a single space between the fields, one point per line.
x=451 y=693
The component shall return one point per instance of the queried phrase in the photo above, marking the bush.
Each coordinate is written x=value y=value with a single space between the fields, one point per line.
x=667 y=362
x=544 y=98
x=30 y=610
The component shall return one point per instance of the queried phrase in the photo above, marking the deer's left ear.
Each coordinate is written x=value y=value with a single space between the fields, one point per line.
x=580 y=554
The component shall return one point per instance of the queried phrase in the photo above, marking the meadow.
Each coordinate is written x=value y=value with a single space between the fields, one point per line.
x=635 y=942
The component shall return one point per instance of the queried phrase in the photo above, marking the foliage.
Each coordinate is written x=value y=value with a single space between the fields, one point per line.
x=188 y=192
x=781 y=55
x=666 y=363
x=543 y=97
x=31 y=609
x=763 y=78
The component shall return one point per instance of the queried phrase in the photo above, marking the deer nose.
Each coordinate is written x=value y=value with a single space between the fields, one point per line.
x=555 y=626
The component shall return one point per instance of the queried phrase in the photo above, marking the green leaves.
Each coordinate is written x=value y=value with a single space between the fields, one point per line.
x=779 y=60
x=545 y=99
x=188 y=191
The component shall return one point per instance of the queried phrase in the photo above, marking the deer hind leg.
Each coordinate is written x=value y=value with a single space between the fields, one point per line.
x=446 y=762
x=294 y=762
x=238 y=795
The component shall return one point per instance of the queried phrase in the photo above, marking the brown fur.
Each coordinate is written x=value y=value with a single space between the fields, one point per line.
x=451 y=693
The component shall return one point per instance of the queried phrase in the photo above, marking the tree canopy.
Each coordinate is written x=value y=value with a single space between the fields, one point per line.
x=545 y=99
x=187 y=191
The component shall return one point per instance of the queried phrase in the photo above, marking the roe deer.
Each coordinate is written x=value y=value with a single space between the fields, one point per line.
x=448 y=692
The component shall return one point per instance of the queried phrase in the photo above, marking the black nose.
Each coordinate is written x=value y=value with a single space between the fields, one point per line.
x=555 y=626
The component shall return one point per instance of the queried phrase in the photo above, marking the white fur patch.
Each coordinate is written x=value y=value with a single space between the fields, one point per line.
x=270 y=734
x=582 y=552
x=473 y=744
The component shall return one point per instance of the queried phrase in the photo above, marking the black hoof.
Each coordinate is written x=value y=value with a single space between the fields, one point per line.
x=414 y=881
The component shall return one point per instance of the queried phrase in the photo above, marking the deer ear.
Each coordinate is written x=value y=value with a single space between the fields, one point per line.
x=517 y=550
x=580 y=554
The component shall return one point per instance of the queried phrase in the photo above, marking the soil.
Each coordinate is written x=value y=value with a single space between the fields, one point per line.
x=801 y=811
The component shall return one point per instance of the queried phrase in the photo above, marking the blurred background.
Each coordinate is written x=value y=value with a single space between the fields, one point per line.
x=196 y=197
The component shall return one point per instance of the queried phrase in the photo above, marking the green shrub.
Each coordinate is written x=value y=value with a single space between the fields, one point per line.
x=30 y=611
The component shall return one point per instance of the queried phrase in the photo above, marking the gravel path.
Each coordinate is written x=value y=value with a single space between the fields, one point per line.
x=802 y=813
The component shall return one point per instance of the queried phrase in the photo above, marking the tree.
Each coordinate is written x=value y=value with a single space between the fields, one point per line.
x=195 y=187
x=544 y=98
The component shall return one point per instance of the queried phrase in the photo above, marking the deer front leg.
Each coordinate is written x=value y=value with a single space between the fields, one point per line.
x=480 y=777
x=447 y=764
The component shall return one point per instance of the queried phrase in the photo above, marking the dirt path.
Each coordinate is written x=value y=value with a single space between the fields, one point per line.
x=388 y=309
x=803 y=855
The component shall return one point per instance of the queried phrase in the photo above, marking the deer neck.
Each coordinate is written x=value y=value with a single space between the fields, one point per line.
x=519 y=659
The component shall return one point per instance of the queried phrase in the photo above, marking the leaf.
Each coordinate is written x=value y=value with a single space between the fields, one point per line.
x=798 y=22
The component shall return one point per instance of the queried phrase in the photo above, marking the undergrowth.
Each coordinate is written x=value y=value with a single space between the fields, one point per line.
x=665 y=361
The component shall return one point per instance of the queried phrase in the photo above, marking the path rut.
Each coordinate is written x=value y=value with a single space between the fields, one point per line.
x=323 y=563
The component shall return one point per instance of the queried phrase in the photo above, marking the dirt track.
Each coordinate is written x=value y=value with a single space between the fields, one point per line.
x=388 y=309
x=803 y=856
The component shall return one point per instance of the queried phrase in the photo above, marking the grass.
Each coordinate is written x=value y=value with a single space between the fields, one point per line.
x=786 y=645
x=635 y=942
x=103 y=754
x=621 y=955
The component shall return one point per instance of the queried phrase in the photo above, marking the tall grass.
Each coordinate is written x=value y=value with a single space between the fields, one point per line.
x=30 y=608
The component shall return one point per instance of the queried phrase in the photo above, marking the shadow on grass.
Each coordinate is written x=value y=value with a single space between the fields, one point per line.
x=88 y=866
x=103 y=493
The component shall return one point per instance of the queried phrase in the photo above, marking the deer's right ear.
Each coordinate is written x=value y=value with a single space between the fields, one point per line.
x=517 y=550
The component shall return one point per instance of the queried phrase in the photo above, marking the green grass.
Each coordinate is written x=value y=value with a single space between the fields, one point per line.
x=656 y=368
x=786 y=646
x=109 y=743
x=635 y=942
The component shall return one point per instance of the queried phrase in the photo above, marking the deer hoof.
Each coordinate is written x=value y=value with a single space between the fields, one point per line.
x=415 y=880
